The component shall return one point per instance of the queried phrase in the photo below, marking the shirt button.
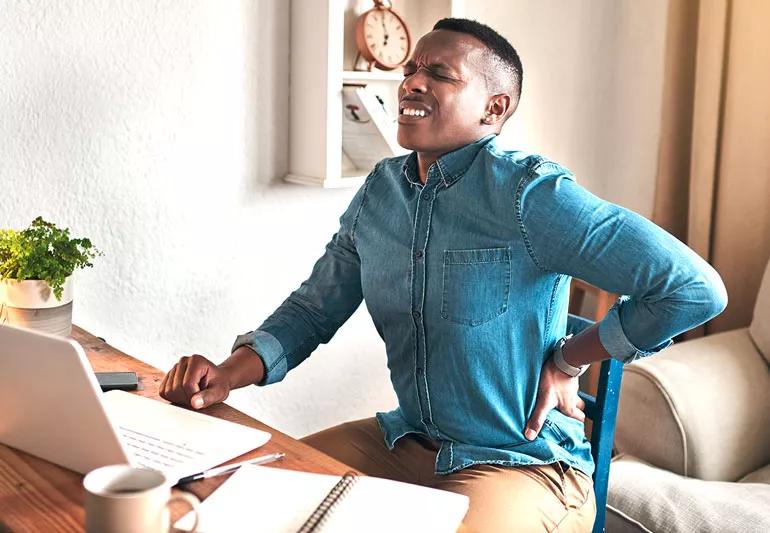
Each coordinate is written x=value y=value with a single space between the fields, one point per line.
x=418 y=254
x=425 y=195
x=419 y=372
x=416 y=315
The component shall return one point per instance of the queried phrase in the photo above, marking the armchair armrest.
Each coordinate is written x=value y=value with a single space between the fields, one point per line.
x=700 y=408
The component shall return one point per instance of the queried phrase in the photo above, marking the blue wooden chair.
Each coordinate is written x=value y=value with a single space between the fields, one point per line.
x=602 y=411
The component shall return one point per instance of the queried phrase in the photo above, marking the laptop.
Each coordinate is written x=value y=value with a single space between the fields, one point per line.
x=51 y=406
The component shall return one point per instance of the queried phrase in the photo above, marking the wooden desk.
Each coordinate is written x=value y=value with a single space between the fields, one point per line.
x=36 y=495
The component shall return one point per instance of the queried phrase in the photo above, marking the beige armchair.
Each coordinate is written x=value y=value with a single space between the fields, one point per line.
x=693 y=432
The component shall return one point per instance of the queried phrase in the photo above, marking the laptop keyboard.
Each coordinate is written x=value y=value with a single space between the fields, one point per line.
x=153 y=452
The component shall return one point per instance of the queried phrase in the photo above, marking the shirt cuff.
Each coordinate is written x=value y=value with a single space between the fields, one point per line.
x=269 y=349
x=615 y=341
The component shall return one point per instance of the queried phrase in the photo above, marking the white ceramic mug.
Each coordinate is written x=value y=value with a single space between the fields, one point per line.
x=126 y=499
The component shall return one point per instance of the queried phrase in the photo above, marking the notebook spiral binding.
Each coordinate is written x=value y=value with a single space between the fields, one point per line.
x=329 y=503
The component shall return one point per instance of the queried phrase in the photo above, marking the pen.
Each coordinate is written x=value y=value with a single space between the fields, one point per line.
x=220 y=470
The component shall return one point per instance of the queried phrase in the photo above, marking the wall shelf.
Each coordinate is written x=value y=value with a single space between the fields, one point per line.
x=323 y=51
x=347 y=179
x=378 y=75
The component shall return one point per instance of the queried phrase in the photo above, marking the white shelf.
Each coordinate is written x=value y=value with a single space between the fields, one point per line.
x=377 y=75
x=347 y=179
x=322 y=48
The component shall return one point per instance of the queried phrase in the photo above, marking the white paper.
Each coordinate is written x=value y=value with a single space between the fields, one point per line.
x=368 y=130
x=275 y=500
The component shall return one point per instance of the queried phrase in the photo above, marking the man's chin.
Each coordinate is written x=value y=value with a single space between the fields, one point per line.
x=411 y=140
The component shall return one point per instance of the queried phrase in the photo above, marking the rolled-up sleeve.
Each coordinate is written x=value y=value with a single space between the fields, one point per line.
x=314 y=312
x=666 y=287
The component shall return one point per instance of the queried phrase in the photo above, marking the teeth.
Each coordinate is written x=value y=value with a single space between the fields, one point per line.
x=414 y=112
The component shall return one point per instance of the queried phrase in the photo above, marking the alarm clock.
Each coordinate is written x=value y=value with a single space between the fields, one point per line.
x=382 y=37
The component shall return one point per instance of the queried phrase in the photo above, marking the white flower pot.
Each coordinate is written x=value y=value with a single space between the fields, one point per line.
x=32 y=304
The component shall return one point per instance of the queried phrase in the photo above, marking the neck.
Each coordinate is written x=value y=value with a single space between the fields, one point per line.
x=424 y=161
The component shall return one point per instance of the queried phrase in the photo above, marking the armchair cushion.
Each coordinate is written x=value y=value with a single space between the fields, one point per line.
x=758 y=476
x=701 y=408
x=681 y=504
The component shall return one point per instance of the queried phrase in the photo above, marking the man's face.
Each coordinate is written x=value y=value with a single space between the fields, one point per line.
x=443 y=82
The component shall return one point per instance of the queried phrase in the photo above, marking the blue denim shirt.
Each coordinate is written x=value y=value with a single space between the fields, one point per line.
x=467 y=279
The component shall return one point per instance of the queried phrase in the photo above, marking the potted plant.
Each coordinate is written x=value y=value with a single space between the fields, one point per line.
x=36 y=267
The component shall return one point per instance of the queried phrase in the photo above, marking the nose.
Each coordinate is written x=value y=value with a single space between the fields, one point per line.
x=415 y=83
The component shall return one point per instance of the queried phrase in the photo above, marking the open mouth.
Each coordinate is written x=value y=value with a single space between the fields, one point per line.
x=411 y=111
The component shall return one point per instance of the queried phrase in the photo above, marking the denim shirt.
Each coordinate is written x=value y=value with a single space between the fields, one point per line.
x=467 y=281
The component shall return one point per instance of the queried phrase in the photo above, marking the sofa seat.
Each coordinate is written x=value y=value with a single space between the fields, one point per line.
x=761 y=475
x=643 y=498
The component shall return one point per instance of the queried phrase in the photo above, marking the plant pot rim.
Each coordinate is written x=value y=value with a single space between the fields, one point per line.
x=34 y=293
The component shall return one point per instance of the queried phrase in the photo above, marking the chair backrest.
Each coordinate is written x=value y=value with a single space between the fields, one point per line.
x=602 y=409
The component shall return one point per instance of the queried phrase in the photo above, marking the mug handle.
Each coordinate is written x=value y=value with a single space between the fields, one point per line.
x=191 y=500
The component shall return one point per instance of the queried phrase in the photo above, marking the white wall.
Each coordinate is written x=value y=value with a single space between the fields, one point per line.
x=158 y=129
x=593 y=80
x=155 y=129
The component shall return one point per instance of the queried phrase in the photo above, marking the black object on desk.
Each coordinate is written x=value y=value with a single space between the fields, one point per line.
x=117 y=380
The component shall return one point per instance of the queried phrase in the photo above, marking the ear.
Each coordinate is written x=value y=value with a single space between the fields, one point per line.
x=497 y=109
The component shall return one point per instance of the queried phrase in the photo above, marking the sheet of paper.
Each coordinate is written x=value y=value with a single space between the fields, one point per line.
x=275 y=500
x=368 y=132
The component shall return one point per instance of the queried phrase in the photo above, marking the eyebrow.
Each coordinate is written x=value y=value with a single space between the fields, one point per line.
x=431 y=66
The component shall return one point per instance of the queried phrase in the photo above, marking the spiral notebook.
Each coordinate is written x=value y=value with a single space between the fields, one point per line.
x=275 y=500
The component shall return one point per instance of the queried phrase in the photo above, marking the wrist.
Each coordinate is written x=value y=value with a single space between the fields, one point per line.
x=243 y=367
x=557 y=356
x=226 y=371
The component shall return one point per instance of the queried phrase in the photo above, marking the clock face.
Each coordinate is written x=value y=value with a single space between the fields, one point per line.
x=386 y=37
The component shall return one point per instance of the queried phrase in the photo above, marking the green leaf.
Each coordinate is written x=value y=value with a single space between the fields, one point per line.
x=45 y=252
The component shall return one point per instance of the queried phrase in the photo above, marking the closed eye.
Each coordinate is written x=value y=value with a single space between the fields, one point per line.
x=433 y=75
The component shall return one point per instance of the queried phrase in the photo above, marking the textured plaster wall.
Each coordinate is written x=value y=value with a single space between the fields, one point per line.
x=157 y=129
x=593 y=81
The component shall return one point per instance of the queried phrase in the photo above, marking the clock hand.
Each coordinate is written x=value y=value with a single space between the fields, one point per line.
x=384 y=29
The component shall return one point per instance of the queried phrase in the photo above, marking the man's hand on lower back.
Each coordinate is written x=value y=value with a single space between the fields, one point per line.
x=556 y=390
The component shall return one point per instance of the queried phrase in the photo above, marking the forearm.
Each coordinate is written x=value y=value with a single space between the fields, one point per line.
x=244 y=367
x=585 y=348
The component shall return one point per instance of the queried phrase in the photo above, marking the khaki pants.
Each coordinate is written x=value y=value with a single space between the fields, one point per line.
x=552 y=497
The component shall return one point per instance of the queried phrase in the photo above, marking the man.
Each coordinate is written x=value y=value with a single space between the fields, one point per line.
x=463 y=254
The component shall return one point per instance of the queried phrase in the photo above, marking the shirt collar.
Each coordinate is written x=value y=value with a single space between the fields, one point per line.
x=451 y=166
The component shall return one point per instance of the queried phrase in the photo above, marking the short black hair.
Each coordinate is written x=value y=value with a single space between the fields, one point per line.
x=496 y=43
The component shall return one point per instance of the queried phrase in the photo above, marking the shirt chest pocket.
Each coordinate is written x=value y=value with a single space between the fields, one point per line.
x=475 y=285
